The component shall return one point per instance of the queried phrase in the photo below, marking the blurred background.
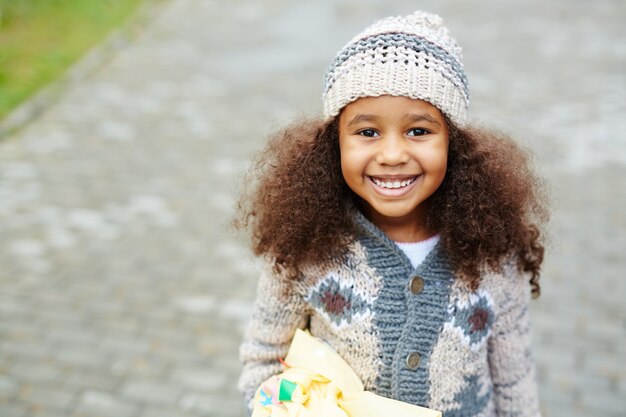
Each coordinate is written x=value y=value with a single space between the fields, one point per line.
x=126 y=124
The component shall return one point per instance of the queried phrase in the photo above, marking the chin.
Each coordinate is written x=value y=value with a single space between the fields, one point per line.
x=395 y=212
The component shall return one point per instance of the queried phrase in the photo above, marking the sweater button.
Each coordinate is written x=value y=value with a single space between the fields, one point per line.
x=416 y=285
x=413 y=361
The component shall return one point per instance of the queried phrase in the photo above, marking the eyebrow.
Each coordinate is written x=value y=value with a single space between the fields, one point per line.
x=422 y=117
x=413 y=117
x=362 y=118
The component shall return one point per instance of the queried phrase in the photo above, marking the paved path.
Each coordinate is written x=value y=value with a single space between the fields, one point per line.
x=123 y=294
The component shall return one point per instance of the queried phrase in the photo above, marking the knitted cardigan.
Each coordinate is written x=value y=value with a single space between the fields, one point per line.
x=415 y=335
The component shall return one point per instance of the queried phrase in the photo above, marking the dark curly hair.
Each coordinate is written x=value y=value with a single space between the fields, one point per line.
x=489 y=207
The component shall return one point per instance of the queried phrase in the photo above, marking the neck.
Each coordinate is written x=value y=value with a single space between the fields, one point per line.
x=409 y=228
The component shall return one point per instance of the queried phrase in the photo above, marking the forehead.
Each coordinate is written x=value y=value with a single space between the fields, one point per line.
x=390 y=107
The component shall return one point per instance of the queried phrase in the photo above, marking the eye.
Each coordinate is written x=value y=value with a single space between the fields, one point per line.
x=368 y=133
x=417 y=132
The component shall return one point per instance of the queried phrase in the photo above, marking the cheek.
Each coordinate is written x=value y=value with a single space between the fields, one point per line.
x=352 y=162
x=351 y=173
x=436 y=160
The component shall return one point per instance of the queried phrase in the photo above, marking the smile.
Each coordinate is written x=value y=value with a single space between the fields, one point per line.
x=392 y=184
x=393 y=187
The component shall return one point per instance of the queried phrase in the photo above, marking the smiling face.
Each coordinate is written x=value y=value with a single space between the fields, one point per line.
x=394 y=153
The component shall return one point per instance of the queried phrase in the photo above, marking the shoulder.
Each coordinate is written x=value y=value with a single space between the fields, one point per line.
x=276 y=284
x=352 y=261
x=509 y=286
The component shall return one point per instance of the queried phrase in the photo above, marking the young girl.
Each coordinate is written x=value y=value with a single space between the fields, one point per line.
x=405 y=239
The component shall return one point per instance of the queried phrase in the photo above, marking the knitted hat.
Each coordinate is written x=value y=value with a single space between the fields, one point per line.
x=412 y=56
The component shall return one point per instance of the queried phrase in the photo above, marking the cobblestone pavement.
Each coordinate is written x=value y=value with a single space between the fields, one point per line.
x=122 y=293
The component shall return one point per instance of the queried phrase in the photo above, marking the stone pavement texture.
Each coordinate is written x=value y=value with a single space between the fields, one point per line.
x=122 y=291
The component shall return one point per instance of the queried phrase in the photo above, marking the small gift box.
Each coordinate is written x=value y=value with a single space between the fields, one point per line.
x=317 y=382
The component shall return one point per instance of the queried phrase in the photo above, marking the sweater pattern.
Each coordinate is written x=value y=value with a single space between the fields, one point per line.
x=338 y=301
x=418 y=335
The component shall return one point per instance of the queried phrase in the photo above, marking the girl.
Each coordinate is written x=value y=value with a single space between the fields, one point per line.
x=399 y=235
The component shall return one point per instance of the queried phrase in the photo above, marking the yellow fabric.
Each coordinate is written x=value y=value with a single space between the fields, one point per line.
x=328 y=387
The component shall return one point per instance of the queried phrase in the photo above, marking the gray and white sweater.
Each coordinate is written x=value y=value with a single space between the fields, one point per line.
x=417 y=335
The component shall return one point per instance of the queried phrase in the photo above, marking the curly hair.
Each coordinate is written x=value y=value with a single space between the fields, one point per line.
x=489 y=207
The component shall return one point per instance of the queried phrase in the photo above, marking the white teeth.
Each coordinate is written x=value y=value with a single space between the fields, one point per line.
x=392 y=184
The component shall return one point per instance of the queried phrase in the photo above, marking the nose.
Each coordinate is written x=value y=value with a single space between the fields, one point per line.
x=392 y=150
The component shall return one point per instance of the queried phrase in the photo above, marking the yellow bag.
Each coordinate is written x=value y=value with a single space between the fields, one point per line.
x=319 y=383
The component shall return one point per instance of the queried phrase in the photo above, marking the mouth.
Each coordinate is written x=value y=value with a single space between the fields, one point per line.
x=393 y=183
x=393 y=186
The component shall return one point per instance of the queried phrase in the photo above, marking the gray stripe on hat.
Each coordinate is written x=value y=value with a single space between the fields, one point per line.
x=416 y=43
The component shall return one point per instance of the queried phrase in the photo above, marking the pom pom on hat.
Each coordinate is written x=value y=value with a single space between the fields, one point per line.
x=412 y=56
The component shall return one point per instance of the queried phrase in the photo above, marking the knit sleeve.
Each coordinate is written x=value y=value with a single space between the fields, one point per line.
x=278 y=311
x=510 y=359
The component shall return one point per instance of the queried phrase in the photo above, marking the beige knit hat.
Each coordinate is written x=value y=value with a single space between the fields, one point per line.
x=412 y=56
